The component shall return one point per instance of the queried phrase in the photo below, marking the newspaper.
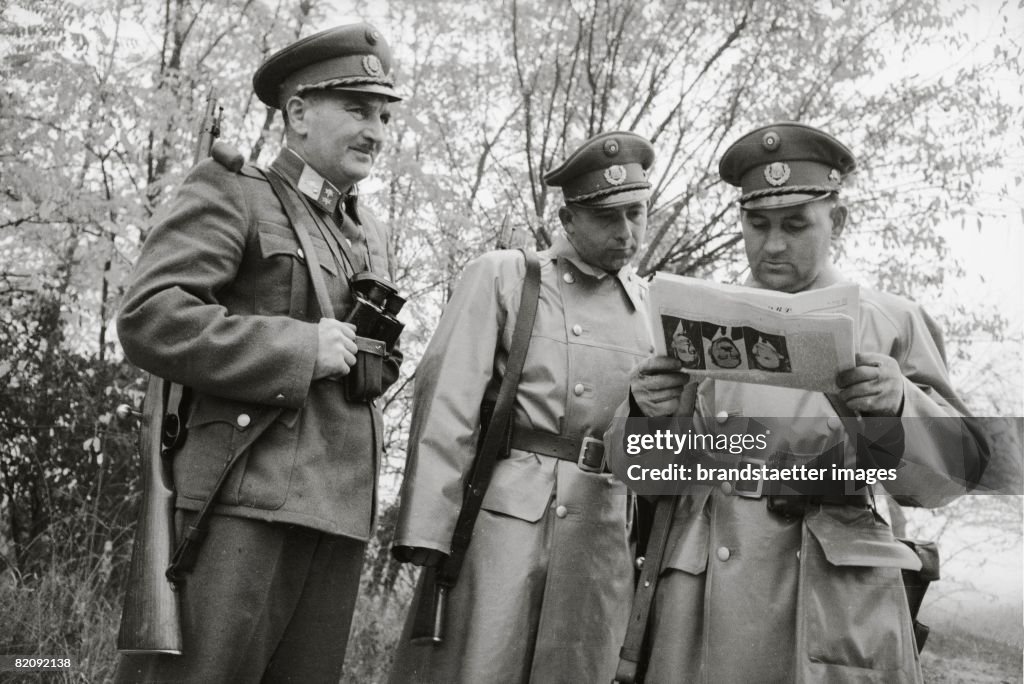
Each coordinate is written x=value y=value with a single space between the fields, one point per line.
x=746 y=334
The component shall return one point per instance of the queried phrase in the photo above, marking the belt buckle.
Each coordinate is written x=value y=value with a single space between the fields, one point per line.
x=743 y=488
x=584 y=462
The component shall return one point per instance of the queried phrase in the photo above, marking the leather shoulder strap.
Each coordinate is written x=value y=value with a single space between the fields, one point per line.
x=629 y=670
x=498 y=429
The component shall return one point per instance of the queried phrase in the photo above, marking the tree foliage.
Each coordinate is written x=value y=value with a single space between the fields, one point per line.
x=99 y=113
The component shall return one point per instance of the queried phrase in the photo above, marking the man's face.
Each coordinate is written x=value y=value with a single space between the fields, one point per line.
x=787 y=248
x=606 y=237
x=725 y=353
x=340 y=133
x=684 y=349
x=766 y=356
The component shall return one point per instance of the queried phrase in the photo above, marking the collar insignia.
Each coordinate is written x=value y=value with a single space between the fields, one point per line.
x=319 y=189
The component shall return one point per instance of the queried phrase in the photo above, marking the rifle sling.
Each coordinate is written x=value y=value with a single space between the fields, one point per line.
x=632 y=646
x=496 y=438
x=187 y=551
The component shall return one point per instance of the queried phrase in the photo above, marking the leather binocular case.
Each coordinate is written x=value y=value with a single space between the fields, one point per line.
x=377 y=304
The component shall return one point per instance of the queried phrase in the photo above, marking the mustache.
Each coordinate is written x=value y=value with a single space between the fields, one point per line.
x=366 y=148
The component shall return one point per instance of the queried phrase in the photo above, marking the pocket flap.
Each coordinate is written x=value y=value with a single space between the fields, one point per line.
x=853 y=537
x=207 y=409
x=687 y=547
x=521 y=487
x=275 y=244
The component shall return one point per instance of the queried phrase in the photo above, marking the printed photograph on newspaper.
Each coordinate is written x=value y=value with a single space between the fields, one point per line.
x=745 y=334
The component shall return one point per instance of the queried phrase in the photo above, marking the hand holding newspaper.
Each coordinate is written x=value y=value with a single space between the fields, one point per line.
x=745 y=334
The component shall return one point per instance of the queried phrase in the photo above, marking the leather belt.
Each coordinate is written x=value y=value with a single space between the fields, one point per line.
x=782 y=500
x=796 y=505
x=585 y=452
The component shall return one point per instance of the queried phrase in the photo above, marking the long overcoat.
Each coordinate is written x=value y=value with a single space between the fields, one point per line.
x=746 y=594
x=545 y=590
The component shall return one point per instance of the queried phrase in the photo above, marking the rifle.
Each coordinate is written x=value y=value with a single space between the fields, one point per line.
x=429 y=621
x=150 y=618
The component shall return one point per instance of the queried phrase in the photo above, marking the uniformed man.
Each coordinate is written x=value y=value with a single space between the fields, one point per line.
x=544 y=592
x=761 y=587
x=222 y=301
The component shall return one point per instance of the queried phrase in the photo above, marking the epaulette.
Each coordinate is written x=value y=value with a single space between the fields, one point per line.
x=227 y=155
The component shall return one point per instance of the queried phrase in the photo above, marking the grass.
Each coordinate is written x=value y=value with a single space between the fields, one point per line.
x=72 y=610
x=957 y=657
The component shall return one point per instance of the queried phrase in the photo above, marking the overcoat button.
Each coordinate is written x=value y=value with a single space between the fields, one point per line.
x=561 y=511
x=302 y=255
x=578 y=389
x=243 y=420
x=722 y=416
x=280 y=396
x=577 y=329
x=723 y=553
x=569 y=278
x=727 y=487
x=834 y=423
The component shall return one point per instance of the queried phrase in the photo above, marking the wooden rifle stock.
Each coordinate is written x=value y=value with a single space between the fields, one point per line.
x=150 y=621
x=150 y=618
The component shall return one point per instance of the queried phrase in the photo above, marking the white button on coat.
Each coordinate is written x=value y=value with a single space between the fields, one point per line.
x=561 y=511
x=722 y=416
x=243 y=420
x=578 y=389
x=723 y=553
x=569 y=278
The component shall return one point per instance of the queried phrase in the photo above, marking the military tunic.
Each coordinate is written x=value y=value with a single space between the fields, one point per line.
x=544 y=593
x=221 y=302
x=748 y=595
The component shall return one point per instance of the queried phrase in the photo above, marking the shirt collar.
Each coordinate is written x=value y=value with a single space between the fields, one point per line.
x=321 y=191
x=633 y=285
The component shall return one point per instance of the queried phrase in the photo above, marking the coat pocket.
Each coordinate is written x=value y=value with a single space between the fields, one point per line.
x=521 y=487
x=852 y=608
x=687 y=546
x=284 y=261
x=220 y=428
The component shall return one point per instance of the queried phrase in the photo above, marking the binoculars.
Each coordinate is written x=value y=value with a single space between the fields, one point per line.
x=377 y=304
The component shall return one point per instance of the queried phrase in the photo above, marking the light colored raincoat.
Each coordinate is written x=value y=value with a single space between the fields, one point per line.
x=545 y=591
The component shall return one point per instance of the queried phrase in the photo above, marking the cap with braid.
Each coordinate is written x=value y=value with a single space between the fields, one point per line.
x=354 y=57
x=785 y=164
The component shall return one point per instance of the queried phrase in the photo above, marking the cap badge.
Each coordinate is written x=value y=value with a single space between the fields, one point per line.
x=372 y=65
x=615 y=174
x=834 y=177
x=776 y=173
x=611 y=148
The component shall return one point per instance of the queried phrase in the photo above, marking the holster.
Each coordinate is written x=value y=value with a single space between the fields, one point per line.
x=365 y=381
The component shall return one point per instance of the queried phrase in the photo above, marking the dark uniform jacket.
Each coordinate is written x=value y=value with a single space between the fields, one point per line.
x=221 y=302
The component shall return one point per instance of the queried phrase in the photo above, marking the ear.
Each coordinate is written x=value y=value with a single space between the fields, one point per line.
x=838 y=214
x=298 y=111
x=565 y=215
